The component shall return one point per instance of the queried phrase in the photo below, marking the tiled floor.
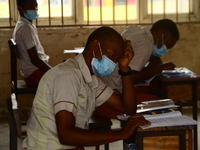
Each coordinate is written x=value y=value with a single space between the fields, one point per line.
x=4 y=134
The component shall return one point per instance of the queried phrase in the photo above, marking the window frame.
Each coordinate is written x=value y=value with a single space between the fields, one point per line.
x=192 y=16
x=77 y=18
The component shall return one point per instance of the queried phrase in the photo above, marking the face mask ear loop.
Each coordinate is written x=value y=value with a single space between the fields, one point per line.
x=22 y=9
x=157 y=42
x=100 y=49
x=93 y=54
x=162 y=39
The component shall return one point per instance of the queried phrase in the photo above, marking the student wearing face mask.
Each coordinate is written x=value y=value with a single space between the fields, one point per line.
x=149 y=45
x=32 y=58
x=68 y=94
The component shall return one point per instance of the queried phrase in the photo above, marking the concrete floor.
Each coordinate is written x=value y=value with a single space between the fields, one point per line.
x=4 y=134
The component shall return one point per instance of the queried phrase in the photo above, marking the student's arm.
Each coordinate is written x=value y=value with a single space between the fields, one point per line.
x=154 y=61
x=37 y=61
x=127 y=102
x=148 y=72
x=68 y=134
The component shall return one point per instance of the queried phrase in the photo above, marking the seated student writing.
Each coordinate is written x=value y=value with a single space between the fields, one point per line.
x=32 y=58
x=149 y=46
x=68 y=94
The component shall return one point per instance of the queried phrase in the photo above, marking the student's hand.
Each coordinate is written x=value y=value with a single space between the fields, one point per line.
x=127 y=56
x=131 y=124
x=168 y=66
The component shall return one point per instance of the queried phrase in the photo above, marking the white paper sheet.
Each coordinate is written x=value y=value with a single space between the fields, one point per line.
x=170 y=121
x=165 y=120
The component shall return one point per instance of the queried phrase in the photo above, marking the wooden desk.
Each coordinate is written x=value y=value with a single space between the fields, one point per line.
x=183 y=91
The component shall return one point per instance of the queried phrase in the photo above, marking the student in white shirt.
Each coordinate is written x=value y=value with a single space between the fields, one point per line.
x=68 y=94
x=149 y=45
x=32 y=58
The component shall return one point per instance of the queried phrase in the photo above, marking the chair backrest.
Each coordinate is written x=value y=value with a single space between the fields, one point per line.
x=13 y=58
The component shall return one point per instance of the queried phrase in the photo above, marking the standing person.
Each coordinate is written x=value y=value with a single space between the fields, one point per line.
x=149 y=45
x=32 y=58
x=68 y=94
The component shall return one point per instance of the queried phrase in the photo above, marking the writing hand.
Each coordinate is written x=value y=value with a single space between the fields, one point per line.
x=131 y=124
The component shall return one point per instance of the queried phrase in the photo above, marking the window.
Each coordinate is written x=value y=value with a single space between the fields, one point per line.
x=178 y=10
x=4 y=9
x=104 y=12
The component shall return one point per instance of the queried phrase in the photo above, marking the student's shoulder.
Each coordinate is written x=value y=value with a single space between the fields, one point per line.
x=70 y=67
x=132 y=28
x=24 y=26
x=134 y=32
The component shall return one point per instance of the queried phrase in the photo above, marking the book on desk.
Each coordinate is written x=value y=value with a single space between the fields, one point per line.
x=162 y=117
x=152 y=106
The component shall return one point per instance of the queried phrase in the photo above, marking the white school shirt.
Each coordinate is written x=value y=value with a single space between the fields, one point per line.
x=68 y=86
x=142 y=44
x=26 y=36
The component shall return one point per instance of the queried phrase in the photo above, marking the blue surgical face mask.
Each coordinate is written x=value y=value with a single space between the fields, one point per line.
x=104 y=67
x=31 y=14
x=158 y=52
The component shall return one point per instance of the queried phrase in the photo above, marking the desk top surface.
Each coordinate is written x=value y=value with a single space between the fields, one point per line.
x=190 y=127
x=192 y=75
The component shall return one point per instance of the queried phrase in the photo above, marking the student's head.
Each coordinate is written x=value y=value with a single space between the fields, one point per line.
x=165 y=32
x=103 y=41
x=28 y=9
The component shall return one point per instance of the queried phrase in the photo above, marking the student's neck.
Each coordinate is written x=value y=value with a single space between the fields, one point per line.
x=27 y=19
x=87 y=60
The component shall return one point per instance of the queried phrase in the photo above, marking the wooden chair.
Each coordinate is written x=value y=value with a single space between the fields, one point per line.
x=17 y=86
x=15 y=126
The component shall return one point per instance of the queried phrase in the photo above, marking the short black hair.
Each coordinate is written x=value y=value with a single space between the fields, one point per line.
x=103 y=34
x=166 y=25
x=20 y=2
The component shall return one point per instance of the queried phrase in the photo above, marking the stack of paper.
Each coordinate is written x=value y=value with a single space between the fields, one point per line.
x=176 y=73
x=165 y=120
x=155 y=105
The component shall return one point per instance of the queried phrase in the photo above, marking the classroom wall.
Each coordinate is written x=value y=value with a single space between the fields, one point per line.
x=54 y=40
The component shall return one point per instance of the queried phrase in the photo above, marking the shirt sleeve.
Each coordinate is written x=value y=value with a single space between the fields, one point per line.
x=141 y=44
x=65 y=93
x=27 y=35
x=103 y=93
x=142 y=50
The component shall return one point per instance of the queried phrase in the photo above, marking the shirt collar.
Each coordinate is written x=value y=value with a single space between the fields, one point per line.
x=84 y=68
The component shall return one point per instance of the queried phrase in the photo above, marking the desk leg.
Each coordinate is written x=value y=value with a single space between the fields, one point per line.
x=195 y=112
x=106 y=146
x=97 y=147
